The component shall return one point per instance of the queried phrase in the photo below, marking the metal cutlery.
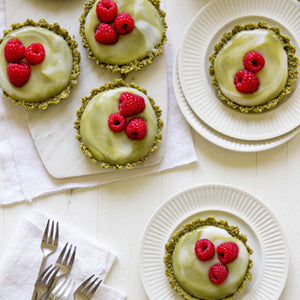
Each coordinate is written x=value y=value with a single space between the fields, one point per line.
x=61 y=290
x=87 y=289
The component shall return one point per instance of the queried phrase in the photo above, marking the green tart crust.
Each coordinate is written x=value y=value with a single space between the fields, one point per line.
x=196 y=223
x=108 y=86
x=136 y=64
x=293 y=63
x=75 y=67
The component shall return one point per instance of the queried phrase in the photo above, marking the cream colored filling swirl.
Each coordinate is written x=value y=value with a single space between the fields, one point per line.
x=115 y=147
x=47 y=78
x=272 y=77
x=147 y=33
x=192 y=273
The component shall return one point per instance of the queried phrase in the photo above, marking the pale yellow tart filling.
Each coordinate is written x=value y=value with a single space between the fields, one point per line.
x=192 y=273
x=115 y=147
x=47 y=78
x=273 y=76
x=147 y=33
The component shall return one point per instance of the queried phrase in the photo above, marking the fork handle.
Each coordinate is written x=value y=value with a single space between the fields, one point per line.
x=34 y=294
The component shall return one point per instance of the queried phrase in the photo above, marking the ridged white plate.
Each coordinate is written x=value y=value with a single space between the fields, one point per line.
x=202 y=34
x=265 y=237
x=216 y=137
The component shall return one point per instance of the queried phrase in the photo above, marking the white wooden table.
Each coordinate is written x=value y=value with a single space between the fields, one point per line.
x=115 y=214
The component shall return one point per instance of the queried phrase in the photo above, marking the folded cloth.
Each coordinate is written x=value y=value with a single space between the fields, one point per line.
x=24 y=177
x=20 y=264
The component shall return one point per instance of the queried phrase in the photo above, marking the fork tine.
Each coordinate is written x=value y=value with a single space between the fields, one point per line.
x=62 y=253
x=82 y=286
x=41 y=276
x=92 y=292
x=62 y=289
x=51 y=233
x=45 y=235
x=70 y=264
x=56 y=234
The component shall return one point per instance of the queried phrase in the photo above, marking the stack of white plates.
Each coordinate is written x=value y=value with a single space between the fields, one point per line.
x=198 y=100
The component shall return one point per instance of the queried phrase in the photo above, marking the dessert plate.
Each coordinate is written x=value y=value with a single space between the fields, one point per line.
x=216 y=137
x=240 y=208
x=202 y=34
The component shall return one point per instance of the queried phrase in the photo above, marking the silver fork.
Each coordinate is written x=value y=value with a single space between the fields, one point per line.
x=87 y=289
x=44 y=281
x=62 y=290
x=48 y=245
x=65 y=262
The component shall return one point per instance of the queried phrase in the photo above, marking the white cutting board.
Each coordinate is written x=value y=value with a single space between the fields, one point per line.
x=53 y=130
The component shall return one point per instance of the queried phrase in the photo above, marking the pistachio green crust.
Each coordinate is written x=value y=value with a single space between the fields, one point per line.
x=75 y=68
x=196 y=223
x=111 y=85
x=135 y=65
x=292 y=68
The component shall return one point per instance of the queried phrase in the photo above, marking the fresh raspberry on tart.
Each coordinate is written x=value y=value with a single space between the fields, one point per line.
x=18 y=73
x=218 y=273
x=116 y=122
x=204 y=249
x=227 y=252
x=106 y=34
x=124 y=23
x=131 y=104
x=254 y=61
x=14 y=50
x=246 y=82
x=35 y=53
x=106 y=11
x=136 y=129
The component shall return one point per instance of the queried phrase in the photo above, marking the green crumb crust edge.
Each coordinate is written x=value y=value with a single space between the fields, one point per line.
x=188 y=227
x=293 y=63
x=108 y=86
x=135 y=65
x=75 y=68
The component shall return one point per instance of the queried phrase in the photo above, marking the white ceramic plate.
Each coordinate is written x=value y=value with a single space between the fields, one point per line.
x=200 y=37
x=254 y=219
x=216 y=137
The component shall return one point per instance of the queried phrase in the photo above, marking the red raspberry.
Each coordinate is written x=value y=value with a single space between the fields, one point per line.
x=106 y=34
x=254 y=61
x=204 y=249
x=227 y=252
x=35 y=53
x=14 y=50
x=218 y=273
x=131 y=104
x=136 y=129
x=116 y=122
x=106 y=10
x=18 y=74
x=124 y=23
x=246 y=82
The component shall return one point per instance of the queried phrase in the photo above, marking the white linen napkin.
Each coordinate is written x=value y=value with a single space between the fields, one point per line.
x=20 y=265
x=23 y=175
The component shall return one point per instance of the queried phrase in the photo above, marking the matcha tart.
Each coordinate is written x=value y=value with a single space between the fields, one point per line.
x=118 y=125
x=253 y=67
x=208 y=259
x=123 y=36
x=39 y=64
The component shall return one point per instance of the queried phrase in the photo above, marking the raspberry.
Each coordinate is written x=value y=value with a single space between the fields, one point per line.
x=106 y=10
x=254 y=61
x=18 y=74
x=246 y=82
x=106 y=34
x=204 y=249
x=218 y=273
x=124 y=23
x=131 y=104
x=116 y=122
x=227 y=252
x=35 y=53
x=136 y=129
x=14 y=50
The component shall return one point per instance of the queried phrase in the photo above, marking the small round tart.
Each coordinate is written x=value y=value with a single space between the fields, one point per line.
x=52 y=77
x=218 y=271
x=116 y=148
x=275 y=78
x=133 y=50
